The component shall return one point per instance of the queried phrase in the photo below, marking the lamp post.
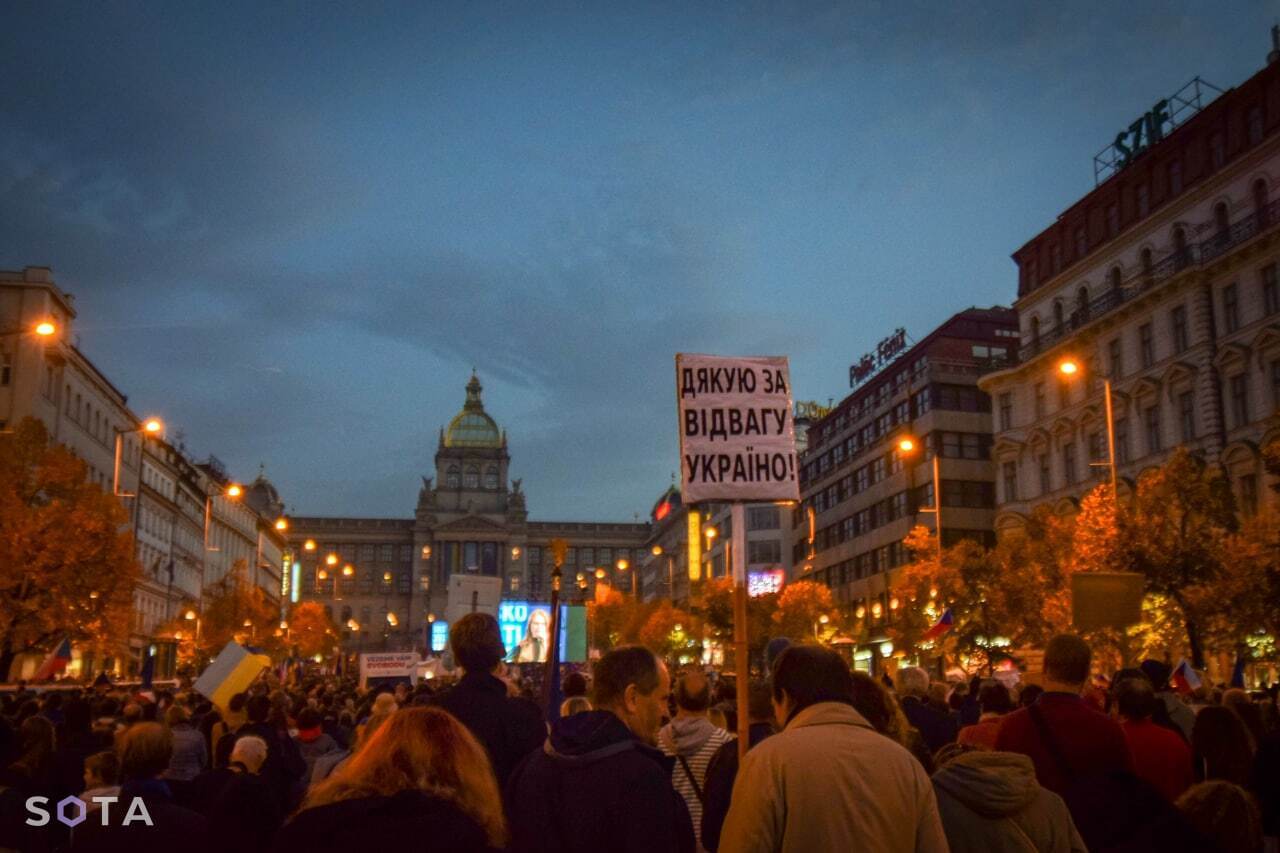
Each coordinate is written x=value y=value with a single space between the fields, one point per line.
x=671 y=571
x=623 y=565
x=1070 y=369
x=152 y=427
x=908 y=446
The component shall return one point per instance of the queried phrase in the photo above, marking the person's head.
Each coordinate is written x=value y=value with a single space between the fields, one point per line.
x=994 y=698
x=145 y=750
x=693 y=693
x=1157 y=672
x=574 y=705
x=258 y=708
x=132 y=713
x=308 y=718
x=632 y=683
x=251 y=751
x=36 y=742
x=873 y=700
x=237 y=703
x=424 y=749
x=101 y=769
x=1066 y=663
x=1135 y=698
x=938 y=694
x=1028 y=695
x=574 y=684
x=773 y=650
x=1224 y=813
x=913 y=681
x=807 y=675
x=476 y=642
x=1223 y=741
x=176 y=715
x=951 y=751
x=385 y=703
x=759 y=701
x=539 y=625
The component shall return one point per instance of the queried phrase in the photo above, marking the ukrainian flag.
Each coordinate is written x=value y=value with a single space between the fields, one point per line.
x=231 y=672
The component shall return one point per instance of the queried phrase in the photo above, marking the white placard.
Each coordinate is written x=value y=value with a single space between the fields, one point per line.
x=737 y=431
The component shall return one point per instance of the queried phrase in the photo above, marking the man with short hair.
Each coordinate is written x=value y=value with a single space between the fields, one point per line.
x=509 y=727
x=1064 y=737
x=828 y=780
x=936 y=727
x=599 y=783
x=994 y=701
x=723 y=769
x=692 y=740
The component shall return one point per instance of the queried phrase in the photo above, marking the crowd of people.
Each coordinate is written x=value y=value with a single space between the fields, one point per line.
x=641 y=759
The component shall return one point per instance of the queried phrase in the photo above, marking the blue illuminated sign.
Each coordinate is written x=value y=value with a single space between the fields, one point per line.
x=439 y=636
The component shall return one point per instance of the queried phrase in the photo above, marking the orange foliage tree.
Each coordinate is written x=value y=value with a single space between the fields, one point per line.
x=311 y=631
x=229 y=604
x=67 y=564
x=801 y=608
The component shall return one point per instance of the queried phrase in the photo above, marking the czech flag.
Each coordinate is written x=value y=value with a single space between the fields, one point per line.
x=1184 y=678
x=943 y=626
x=55 y=663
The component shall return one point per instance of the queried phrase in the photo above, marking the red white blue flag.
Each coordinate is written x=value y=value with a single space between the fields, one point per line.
x=55 y=663
x=942 y=626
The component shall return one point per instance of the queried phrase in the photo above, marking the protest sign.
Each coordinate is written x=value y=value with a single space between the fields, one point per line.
x=737 y=431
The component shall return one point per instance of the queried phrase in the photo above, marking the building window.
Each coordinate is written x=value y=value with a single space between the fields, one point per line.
x=1097 y=452
x=1046 y=476
x=471 y=479
x=1175 y=177
x=1152 y=417
x=513 y=582
x=1253 y=123
x=1010 y=481
x=1069 y=463
x=1144 y=200
x=1039 y=400
x=1055 y=258
x=763 y=518
x=1035 y=332
x=1006 y=410
x=1082 y=243
x=1113 y=220
x=1179 y=321
x=491 y=478
x=764 y=551
x=1217 y=151
x=1064 y=392
x=1122 y=441
x=1187 y=415
x=1230 y=308
x=1146 y=345
x=1270 y=290
x=453 y=478
x=1115 y=353
x=1240 y=399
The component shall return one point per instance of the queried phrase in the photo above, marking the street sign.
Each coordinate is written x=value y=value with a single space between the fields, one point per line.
x=737 y=429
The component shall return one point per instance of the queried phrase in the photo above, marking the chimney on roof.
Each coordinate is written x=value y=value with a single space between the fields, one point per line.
x=1274 y=55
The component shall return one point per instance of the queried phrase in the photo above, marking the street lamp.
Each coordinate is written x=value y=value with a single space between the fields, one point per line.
x=623 y=565
x=671 y=570
x=45 y=329
x=331 y=560
x=908 y=446
x=282 y=524
x=151 y=426
x=1070 y=368
x=232 y=492
x=309 y=545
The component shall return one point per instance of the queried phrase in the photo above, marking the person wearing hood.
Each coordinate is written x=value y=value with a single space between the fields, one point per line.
x=828 y=780
x=598 y=783
x=692 y=739
x=509 y=727
x=990 y=802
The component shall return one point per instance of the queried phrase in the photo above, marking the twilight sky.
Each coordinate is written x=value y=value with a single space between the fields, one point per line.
x=293 y=228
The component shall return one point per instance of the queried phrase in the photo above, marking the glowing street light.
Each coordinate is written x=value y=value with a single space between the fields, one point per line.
x=153 y=425
x=348 y=570
x=45 y=329
x=234 y=491
x=190 y=616
x=282 y=524
x=1069 y=368
x=331 y=560
x=906 y=445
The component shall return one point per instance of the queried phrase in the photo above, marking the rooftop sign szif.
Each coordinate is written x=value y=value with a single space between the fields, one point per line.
x=737 y=430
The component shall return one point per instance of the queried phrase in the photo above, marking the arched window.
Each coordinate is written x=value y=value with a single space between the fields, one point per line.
x=1260 y=202
x=491 y=477
x=1082 y=304
x=1057 y=314
x=1221 y=220
x=1114 y=278
x=471 y=479
x=1180 y=255
x=452 y=477
x=1035 y=332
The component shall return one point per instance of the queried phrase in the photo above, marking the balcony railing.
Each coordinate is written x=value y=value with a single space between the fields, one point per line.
x=1193 y=255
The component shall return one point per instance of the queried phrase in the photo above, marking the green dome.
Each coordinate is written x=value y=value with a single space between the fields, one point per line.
x=472 y=427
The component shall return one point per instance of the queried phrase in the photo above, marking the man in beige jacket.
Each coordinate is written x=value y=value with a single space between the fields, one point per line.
x=828 y=780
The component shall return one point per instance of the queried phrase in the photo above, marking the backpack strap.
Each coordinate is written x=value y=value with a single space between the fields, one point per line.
x=688 y=772
x=1051 y=743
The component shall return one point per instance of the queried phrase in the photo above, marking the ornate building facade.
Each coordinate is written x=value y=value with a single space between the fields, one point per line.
x=384 y=581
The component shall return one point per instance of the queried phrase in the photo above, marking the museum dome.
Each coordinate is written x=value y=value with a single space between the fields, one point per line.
x=471 y=427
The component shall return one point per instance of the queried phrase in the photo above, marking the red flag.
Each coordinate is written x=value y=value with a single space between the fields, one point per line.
x=56 y=662
x=943 y=626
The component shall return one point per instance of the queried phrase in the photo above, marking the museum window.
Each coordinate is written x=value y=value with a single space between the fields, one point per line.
x=453 y=478
x=471 y=479
x=491 y=478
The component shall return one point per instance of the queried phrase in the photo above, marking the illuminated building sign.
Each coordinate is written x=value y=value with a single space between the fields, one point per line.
x=765 y=582
x=873 y=362
x=695 y=545
x=439 y=636
x=294 y=575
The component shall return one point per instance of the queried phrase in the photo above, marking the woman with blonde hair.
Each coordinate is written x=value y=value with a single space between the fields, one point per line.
x=421 y=775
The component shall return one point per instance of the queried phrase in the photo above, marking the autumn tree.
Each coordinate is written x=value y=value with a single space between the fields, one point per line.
x=67 y=564
x=614 y=619
x=1176 y=534
x=717 y=616
x=801 y=607
x=236 y=609
x=671 y=633
x=311 y=631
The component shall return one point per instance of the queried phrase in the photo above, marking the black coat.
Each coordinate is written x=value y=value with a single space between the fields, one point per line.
x=284 y=768
x=407 y=820
x=509 y=728
x=717 y=790
x=594 y=787
x=243 y=814
x=174 y=827
x=937 y=729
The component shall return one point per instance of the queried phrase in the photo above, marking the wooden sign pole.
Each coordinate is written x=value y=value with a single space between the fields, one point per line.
x=736 y=547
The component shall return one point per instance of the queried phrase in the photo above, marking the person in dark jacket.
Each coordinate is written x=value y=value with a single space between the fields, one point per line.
x=423 y=778
x=145 y=751
x=284 y=768
x=242 y=812
x=723 y=769
x=937 y=728
x=509 y=727
x=599 y=783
